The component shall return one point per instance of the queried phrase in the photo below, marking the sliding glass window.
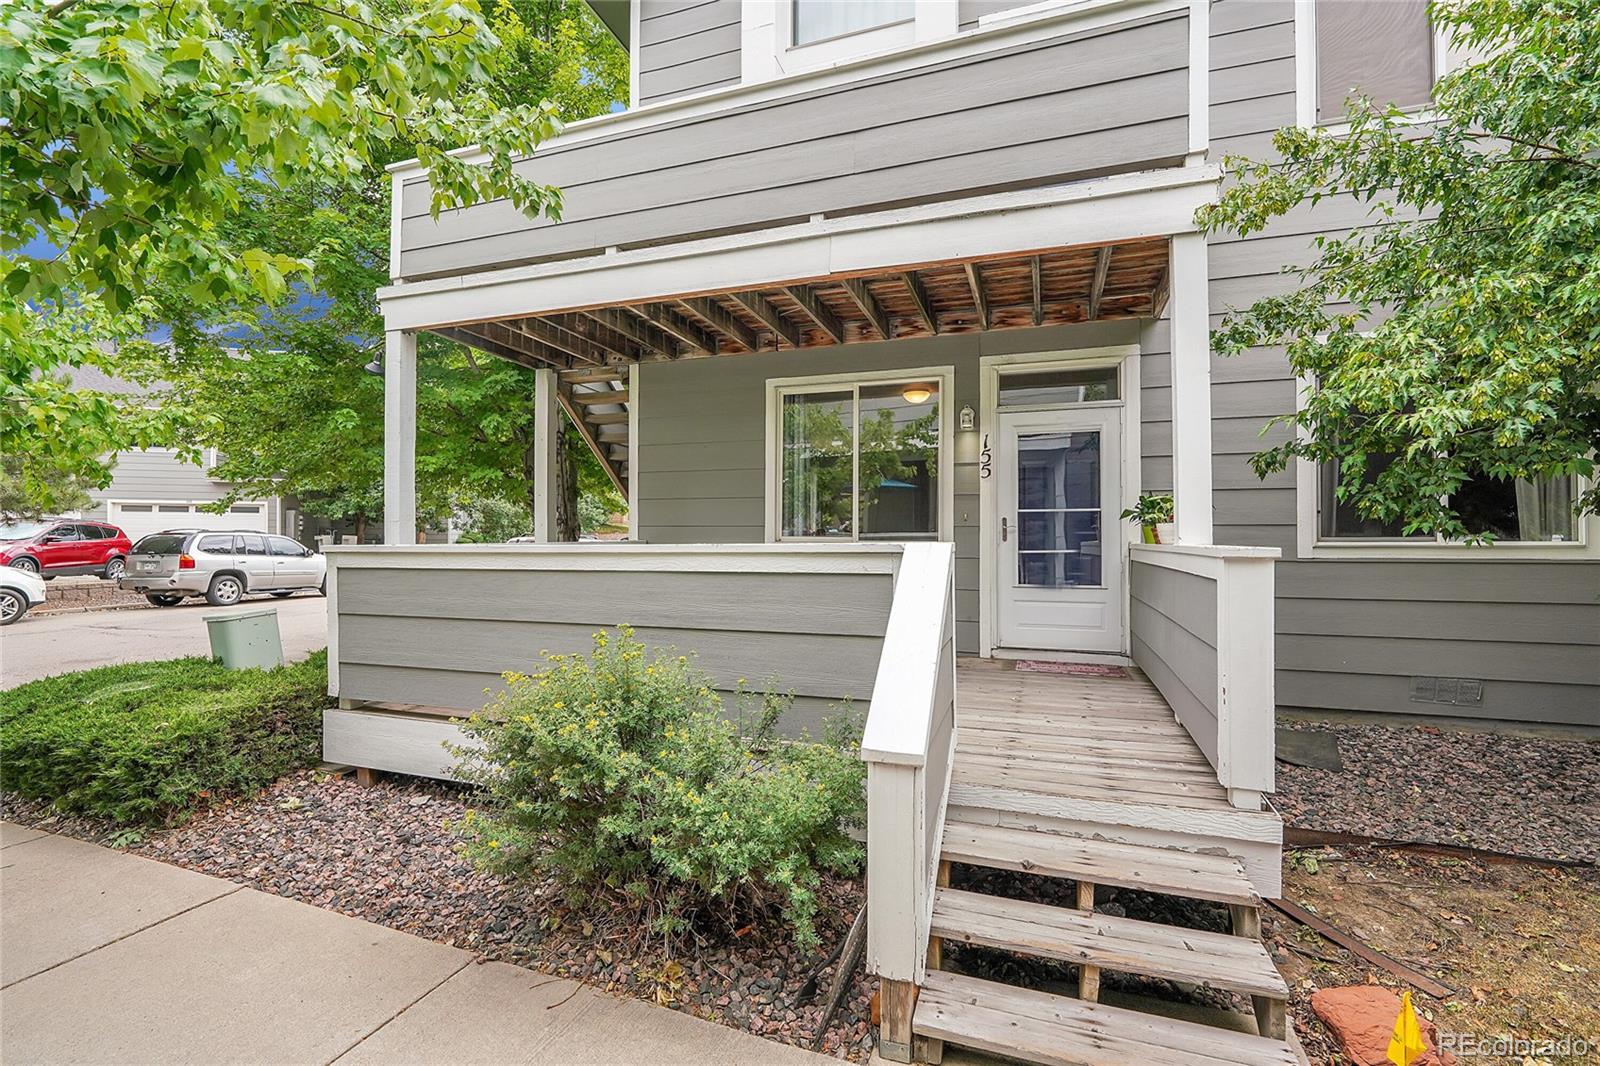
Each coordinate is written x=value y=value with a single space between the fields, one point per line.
x=861 y=461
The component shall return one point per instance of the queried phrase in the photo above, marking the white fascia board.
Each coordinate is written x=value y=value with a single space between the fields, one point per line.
x=1120 y=208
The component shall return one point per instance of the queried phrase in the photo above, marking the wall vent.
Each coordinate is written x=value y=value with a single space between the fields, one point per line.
x=1454 y=691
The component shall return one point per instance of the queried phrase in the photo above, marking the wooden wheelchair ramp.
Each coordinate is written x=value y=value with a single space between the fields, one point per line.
x=1092 y=780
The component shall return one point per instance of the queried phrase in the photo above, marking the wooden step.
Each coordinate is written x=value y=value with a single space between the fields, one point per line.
x=590 y=377
x=1055 y=1031
x=1220 y=878
x=1123 y=945
x=600 y=396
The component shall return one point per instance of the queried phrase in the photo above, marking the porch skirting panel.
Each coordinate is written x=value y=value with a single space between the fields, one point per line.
x=441 y=627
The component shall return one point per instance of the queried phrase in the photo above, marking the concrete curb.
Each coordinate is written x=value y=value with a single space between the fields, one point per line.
x=91 y=610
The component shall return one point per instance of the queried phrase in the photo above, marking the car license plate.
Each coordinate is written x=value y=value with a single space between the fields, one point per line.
x=147 y=565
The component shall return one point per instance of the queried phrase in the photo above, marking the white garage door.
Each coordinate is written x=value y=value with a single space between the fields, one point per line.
x=138 y=519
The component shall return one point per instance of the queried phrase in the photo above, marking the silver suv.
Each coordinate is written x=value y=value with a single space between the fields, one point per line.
x=220 y=566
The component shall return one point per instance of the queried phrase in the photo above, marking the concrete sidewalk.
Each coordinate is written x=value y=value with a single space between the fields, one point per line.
x=108 y=957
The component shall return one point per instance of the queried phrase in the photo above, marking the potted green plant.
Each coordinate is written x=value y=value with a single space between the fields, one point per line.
x=1154 y=513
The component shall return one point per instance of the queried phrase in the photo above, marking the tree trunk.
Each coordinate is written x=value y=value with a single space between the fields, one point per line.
x=567 y=527
x=566 y=488
x=361 y=527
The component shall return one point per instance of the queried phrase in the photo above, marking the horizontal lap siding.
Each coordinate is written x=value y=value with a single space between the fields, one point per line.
x=1072 y=107
x=816 y=636
x=685 y=48
x=1352 y=634
x=1174 y=641
x=158 y=475
x=702 y=436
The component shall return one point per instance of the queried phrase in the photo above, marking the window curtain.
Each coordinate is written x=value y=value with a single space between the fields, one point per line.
x=1544 y=509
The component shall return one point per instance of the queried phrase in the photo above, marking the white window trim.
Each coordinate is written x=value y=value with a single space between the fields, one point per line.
x=777 y=388
x=990 y=368
x=635 y=10
x=633 y=445
x=1311 y=545
x=1445 y=59
x=768 y=50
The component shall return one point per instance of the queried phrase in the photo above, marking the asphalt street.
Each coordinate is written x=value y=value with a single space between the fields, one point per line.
x=44 y=644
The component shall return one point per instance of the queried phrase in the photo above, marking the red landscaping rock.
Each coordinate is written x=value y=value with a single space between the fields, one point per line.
x=1362 y=1017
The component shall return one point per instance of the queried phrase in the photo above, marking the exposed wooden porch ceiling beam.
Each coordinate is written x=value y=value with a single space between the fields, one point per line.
x=758 y=306
x=722 y=321
x=675 y=324
x=1097 y=288
x=1158 y=294
x=869 y=306
x=1038 y=291
x=580 y=348
x=646 y=336
x=472 y=338
x=980 y=299
x=919 y=297
x=825 y=319
x=570 y=400
x=617 y=348
x=1024 y=290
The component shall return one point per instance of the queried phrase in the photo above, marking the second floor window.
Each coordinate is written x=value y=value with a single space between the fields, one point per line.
x=1382 y=49
x=818 y=20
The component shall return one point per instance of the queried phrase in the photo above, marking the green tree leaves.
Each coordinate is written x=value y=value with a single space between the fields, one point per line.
x=134 y=131
x=294 y=411
x=1458 y=331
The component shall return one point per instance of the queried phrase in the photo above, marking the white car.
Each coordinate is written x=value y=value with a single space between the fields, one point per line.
x=19 y=591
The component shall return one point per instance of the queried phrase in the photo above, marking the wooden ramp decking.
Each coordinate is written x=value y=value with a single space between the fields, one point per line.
x=1092 y=780
x=1095 y=756
x=1097 y=739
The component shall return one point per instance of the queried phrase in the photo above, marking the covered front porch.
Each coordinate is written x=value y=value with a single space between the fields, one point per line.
x=1039 y=359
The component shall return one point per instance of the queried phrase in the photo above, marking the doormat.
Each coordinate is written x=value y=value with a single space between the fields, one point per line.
x=1039 y=666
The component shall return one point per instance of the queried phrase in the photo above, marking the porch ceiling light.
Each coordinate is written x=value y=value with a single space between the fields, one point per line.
x=916 y=393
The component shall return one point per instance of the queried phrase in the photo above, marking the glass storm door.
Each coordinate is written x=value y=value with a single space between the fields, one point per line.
x=1060 y=557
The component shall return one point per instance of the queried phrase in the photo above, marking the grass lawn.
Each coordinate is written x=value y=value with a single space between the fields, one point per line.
x=145 y=742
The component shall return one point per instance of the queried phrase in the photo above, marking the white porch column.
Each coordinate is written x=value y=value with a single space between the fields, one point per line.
x=1191 y=388
x=546 y=439
x=399 y=437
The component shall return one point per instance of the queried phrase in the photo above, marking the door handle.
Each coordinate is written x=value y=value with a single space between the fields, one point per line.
x=1004 y=528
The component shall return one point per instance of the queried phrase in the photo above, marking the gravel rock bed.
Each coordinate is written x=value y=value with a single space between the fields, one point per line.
x=387 y=854
x=1519 y=795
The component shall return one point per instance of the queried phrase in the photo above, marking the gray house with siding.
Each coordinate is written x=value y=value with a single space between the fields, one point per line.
x=880 y=314
x=154 y=489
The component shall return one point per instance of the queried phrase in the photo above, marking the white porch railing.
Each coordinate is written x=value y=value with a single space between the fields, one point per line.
x=1202 y=631
x=909 y=746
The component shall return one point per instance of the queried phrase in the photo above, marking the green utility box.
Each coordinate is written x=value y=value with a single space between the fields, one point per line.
x=246 y=638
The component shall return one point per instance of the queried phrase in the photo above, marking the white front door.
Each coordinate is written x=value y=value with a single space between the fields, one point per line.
x=1060 y=557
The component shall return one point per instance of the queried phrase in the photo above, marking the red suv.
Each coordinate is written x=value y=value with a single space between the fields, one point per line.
x=65 y=546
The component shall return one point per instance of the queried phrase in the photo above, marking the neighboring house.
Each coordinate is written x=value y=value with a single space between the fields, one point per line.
x=880 y=313
x=153 y=489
